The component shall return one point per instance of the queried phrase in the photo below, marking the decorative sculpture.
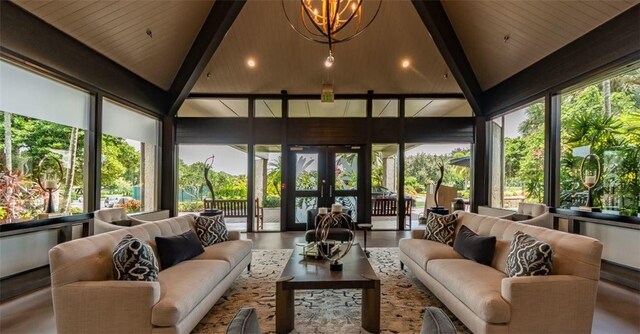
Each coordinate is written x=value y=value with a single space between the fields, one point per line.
x=590 y=179
x=335 y=219
x=441 y=210
x=53 y=172
x=208 y=164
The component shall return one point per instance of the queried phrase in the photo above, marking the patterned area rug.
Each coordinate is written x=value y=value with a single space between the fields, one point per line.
x=326 y=311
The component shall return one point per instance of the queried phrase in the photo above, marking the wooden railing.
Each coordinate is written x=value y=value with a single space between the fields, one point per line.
x=233 y=208
x=382 y=207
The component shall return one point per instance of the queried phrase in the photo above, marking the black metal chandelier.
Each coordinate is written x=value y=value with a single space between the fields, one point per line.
x=331 y=21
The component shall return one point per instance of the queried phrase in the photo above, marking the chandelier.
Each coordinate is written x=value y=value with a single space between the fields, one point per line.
x=331 y=21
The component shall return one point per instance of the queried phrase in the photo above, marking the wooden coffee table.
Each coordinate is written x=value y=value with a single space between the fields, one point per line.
x=309 y=274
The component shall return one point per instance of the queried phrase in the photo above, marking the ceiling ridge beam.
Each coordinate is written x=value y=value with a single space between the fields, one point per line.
x=222 y=15
x=437 y=22
x=30 y=39
x=610 y=45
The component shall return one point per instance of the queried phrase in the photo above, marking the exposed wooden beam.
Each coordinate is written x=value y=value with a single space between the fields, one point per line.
x=437 y=23
x=430 y=96
x=215 y=27
x=614 y=43
x=28 y=38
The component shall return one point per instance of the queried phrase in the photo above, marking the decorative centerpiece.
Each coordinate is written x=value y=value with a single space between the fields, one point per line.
x=590 y=178
x=441 y=210
x=210 y=211
x=335 y=219
x=49 y=175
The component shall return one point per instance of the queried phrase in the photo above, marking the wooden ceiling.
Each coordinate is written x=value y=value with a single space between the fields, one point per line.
x=285 y=60
x=533 y=30
x=118 y=30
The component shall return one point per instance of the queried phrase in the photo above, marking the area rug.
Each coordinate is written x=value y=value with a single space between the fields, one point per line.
x=326 y=311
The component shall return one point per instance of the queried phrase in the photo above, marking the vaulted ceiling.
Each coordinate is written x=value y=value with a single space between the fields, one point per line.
x=499 y=38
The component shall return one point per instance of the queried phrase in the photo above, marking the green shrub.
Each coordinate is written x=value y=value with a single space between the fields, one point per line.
x=195 y=206
x=271 y=202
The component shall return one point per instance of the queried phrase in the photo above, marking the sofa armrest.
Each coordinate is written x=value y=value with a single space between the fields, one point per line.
x=105 y=306
x=417 y=233
x=234 y=235
x=550 y=304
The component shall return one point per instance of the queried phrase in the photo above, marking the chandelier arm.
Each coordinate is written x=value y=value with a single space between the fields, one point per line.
x=298 y=31
x=309 y=30
x=309 y=16
x=346 y=23
x=346 y=39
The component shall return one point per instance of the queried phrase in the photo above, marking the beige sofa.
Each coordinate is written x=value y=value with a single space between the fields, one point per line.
x=87 y=299
x=487 y=301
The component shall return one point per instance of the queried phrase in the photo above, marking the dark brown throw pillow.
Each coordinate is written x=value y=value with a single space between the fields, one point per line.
x=474 y=247
x=175 y=249
x=441 y=228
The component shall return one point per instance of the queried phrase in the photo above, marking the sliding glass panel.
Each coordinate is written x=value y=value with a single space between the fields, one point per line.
x=517 y=159
x=268 y=187
x=128 y=177
x=41 y=118
x=602 y=118
x=384 y=187
x=422 y=172
x=228 y=175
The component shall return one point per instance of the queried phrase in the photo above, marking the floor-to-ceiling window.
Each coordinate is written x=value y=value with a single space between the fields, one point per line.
x=517 y=157
x=267 y=191
x=43 y=123
x=602 y=118
x=227 y=172
x=423 y=163
x=384 y=186
x=129 y=159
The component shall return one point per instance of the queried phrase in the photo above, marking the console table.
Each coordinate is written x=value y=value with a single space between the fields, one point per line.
x=35 y=278
x=609 y=270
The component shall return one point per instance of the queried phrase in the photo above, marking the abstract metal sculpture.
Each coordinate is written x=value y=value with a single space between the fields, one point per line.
x=208 y=164
x=335 y=219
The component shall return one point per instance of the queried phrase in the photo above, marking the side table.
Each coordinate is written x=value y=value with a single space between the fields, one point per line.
x=365 y=228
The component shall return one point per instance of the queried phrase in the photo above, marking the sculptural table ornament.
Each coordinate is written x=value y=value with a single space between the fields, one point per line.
x=328 y=221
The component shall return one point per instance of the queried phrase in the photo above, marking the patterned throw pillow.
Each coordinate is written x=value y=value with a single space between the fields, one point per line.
x=528 y=256
x=133 y=260
x=441 y=228
x=211 y=230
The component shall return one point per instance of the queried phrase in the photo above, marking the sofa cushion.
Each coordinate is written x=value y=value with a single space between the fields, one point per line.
x=233 y=251
x=476 y=285
x=440 y=228
x=474 y=247
x=177 y=248
x=421 y=251
x=529 y=256
x=134 y=260
x=211 y=230
x=183 y=287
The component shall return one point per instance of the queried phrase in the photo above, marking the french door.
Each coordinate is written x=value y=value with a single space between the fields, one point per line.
x=322 y=175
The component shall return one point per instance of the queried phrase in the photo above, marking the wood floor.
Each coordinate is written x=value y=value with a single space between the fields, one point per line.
x=617 y=307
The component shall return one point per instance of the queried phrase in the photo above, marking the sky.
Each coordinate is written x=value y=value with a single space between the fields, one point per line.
x=228 y=159
x=512 y=122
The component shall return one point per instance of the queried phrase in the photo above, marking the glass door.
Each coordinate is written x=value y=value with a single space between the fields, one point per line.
x=321 y=176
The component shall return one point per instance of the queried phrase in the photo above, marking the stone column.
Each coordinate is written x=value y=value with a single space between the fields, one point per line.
x=389 y=173
x=148 y=177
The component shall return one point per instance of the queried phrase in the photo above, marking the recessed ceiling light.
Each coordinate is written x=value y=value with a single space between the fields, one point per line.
x=406 y=63
x=251 y=62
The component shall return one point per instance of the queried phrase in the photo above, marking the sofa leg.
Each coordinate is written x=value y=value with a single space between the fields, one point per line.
x=401 y=265
x=249 y=267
